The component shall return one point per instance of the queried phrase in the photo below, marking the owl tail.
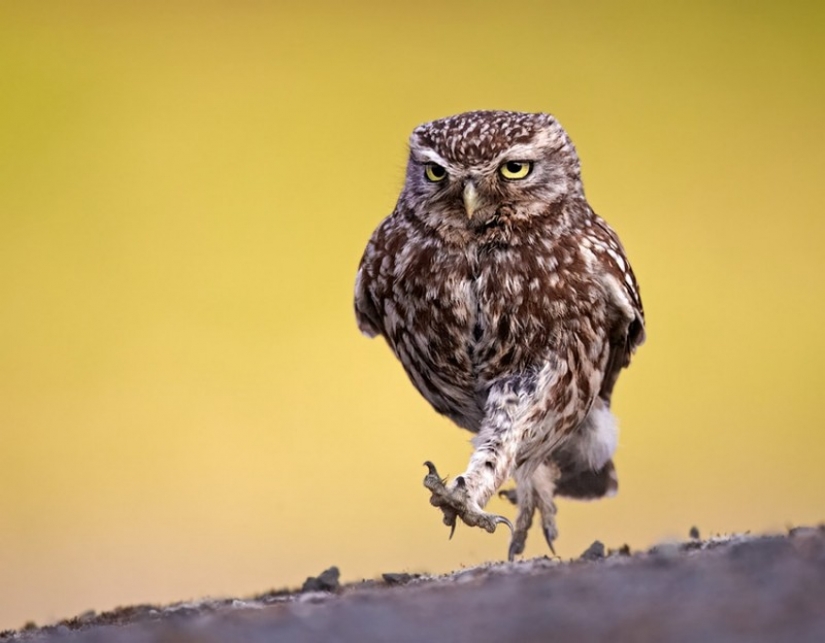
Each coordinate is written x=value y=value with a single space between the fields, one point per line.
x=588 y=484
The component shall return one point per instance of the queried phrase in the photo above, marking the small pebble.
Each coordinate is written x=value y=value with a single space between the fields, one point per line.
x=594 y=552
x=327 y=581
x=624 y=550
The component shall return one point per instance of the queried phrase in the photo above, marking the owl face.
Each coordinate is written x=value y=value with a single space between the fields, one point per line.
x=469 y=169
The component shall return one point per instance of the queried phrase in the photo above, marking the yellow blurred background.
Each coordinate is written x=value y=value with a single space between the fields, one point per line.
x=186 y=406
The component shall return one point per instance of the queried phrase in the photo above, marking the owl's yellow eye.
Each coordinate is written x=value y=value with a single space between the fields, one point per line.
x=434 y=172
x=513 y=170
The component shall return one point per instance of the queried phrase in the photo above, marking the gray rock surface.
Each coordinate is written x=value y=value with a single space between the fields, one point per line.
x=735 y=588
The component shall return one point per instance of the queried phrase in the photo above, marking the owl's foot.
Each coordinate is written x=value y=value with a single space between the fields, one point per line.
x=527 y=498
x=453 y=502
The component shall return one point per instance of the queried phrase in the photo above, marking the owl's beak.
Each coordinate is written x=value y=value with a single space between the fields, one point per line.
x=470 y=198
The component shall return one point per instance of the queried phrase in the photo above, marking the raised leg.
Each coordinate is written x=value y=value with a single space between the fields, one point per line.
x=491 y=463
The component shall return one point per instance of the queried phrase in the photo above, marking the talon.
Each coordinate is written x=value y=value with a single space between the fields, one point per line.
x=549 y=537
x=449 y=518
x=501 y=520
x=453 y=502
x=432 y=480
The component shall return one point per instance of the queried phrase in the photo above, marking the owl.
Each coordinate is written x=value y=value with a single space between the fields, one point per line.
x=511 y=306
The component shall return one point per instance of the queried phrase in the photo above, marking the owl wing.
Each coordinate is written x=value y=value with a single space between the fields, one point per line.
x=366 y=312
x=627 y=326
x=372 y=280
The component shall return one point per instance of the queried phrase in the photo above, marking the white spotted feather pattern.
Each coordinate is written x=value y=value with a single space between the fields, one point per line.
x=513 y=315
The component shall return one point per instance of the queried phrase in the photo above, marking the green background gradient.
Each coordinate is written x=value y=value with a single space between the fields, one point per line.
x=186 y=406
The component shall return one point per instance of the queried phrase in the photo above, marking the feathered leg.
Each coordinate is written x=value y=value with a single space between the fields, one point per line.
x=491 y=463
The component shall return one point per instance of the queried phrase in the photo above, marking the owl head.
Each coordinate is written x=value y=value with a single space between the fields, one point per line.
x=468 y=169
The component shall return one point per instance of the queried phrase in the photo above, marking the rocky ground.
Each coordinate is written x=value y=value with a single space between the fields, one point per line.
x=733 y=588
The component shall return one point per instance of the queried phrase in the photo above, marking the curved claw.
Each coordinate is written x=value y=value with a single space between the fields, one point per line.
x=549 y=537
x=449 y=520
x=501 y=520
x=432 y=475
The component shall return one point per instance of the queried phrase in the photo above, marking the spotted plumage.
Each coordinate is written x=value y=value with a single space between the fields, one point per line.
x=511 y=306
